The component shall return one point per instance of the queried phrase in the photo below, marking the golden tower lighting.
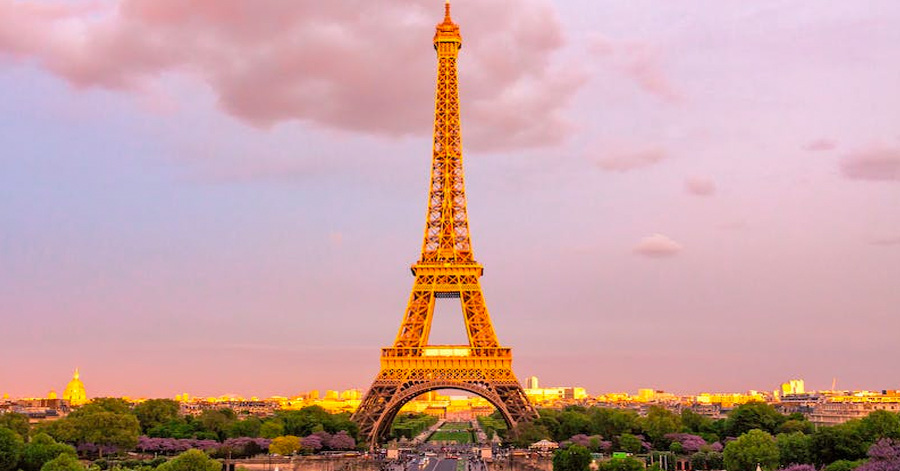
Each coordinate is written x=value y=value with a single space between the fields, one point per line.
x=446 y=269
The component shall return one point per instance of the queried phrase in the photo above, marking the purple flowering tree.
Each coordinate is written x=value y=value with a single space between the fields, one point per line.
x=341 y=441
x=884 y=455
x=311 y=443
x=690 y=444
x=581 y=440
x=799 y=467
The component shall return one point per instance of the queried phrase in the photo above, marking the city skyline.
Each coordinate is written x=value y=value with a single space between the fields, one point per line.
x=209 y=197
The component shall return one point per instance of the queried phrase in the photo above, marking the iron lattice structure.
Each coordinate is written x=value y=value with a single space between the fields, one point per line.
x=447 y=269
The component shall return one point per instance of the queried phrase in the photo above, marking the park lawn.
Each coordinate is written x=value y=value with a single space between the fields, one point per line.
x=458 y=436
x=456 y=426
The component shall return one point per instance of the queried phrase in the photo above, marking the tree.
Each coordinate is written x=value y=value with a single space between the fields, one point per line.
x=884 y=455
x=11 y=445
x=621 y=464
x=799 y=467
x=613 y=422
x=687 y=443
x=844 y=465
x=573 y=458
x=527 y=433
x=41 y=449
x=629 y=443
x=752 y=448
x=217 y=421
x=156 y=412
x=286 y=445
x=105 y=404
x=753 y=415
x=16 y=422
x=839 y=442
x=341 y=441
x=794 y=448
x=880 y=424
x=572 y=422
x=63 y=462
x=191 y=460
x=249 y=427
x=693 y=422
x=659 y=423
x=707 y=460
x=311 y=443
x=107 y=429
x=271 y=429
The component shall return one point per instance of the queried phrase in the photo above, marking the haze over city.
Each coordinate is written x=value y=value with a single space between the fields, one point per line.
x=686 y=196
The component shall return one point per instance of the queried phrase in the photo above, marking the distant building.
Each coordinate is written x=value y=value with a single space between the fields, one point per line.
x=532 y=383
x=839 y=409
x=794 y=386
x=75 y=393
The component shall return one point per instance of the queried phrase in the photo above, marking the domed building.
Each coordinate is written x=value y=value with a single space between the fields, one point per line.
x=75 y=393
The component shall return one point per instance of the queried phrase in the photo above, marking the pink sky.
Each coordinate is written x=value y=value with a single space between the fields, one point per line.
x=213 y=197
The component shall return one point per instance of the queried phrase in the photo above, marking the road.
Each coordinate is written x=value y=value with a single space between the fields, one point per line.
x=441 y=464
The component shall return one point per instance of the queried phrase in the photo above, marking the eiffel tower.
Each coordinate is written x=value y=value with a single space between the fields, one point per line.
x=447 y=269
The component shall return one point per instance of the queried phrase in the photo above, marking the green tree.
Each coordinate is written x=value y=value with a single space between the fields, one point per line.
x=692 y=422
x=571 y=423
x=753 y=415
x=794 y=425
x=527 y=433
x=191 y=460
x=11 y=445
x=573 y=458
x=880 y=424
x=156 y=412
x=107 y=429
x=752 y=448
x=613 y=422
x=629 y=443
x=217 y=421
x=105 y=404
x=249 y=427
x=286 y=445
x=621 y=464
x=16 y=422
x=271 y=429
x=844 y=465
x=659 y=422
x=63 y=462
x=839 y=442
x=41 y=449
x=794 y=448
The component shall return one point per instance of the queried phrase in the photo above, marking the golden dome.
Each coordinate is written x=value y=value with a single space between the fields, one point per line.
x=75 y=392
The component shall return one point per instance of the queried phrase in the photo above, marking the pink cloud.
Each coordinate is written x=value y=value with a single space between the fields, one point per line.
x=627 y=159
x=700 y=186
x=819 y=145
x=358 y=66
x=657 y=246
x=876 y=162
x=886 y=241
x=641 y=62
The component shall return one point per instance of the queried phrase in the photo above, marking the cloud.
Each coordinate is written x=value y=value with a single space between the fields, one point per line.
x=641 y=62
x=624 y=160
x=886 y=241
x=819 y=145
x=359 y=66
x=876 y=163
x=657 y=246
x=700 y=186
